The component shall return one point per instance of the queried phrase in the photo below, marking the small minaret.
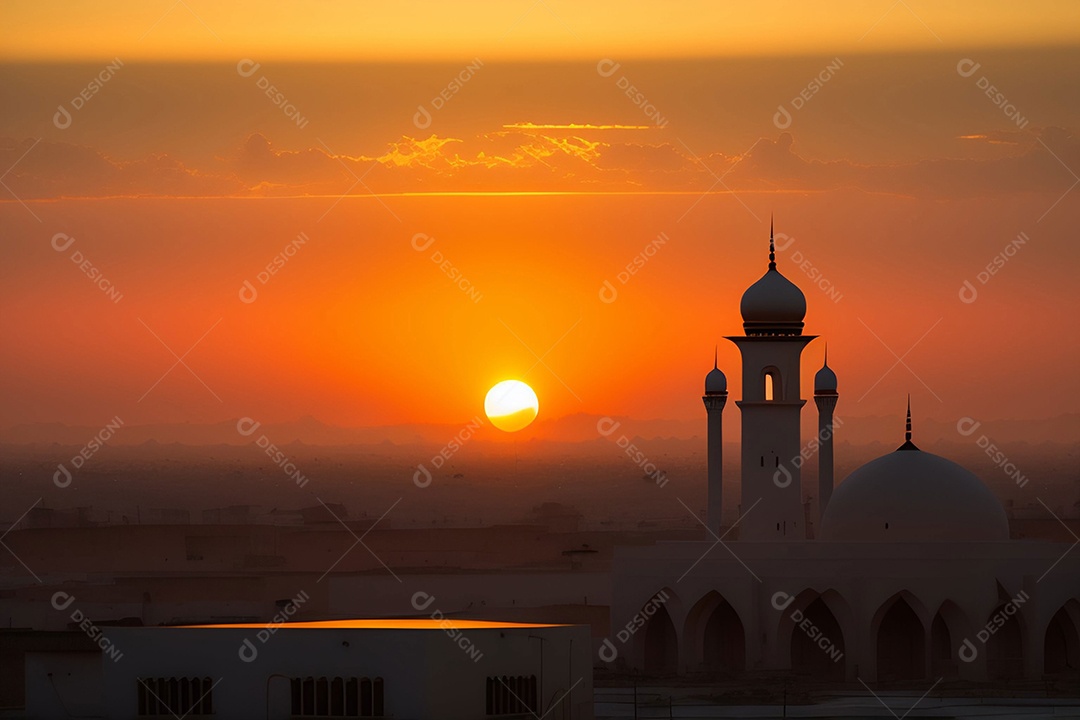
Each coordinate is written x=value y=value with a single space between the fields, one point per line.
x=715 y=398
x=825 y=398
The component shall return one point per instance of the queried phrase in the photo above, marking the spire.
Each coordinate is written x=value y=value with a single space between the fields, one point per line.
x=907 y=435
x=772 y=246
x=908 y=445
x=715 y=380
x=826 y=355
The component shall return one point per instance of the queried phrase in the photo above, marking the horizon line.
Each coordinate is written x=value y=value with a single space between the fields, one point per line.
x=518 y=59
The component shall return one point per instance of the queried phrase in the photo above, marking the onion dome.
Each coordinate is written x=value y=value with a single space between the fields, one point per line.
x=825 y=379
x=715 y=381
x=773 y=305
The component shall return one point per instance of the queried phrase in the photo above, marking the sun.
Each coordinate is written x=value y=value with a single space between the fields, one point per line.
x=511 y=405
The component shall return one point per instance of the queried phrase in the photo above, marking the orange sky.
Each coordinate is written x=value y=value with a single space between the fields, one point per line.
x=525 y=29
x=536 y=179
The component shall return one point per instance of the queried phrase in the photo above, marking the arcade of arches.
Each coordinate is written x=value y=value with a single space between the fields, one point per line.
x=817 y=637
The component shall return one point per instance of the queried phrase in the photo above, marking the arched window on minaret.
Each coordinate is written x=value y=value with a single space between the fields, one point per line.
x=773 y=389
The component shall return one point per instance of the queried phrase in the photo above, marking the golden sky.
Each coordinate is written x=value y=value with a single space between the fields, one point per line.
x=194 y=30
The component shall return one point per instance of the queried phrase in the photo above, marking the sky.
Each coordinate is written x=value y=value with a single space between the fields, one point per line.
x=371 y=213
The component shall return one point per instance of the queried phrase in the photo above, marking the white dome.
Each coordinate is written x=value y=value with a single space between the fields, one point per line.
x=913 y=496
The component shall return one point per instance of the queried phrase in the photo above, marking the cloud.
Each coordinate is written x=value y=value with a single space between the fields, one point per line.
x=1044 y=163
x=44 y=169
x=530 y=158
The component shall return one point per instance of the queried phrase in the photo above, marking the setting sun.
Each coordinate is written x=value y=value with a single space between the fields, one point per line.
x=511 y=405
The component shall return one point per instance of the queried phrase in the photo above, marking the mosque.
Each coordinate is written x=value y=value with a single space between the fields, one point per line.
x=913 y=575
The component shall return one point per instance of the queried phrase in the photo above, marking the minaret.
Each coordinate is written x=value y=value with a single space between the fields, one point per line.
x=773 y=309
x=825 y=398
x=715 y=398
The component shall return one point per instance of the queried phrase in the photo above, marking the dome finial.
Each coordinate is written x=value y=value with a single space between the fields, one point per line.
x=908 y=445
x=907 y=434
x=772 y=246
x=715 y=357
x=826 y=355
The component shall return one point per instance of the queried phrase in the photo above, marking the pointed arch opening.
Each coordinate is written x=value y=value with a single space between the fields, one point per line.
x=901 y=643
x=1061 y=646
x=661 y=645
x=725 y=641
x=947 y=630
x=817 y=642
x=715 y=637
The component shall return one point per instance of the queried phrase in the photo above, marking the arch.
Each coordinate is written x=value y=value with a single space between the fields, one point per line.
x=636 y=624
x=772 y=386
x=812 y=637
x=661 y=644
x=714 y=635
x=725 y=640
x=1061 y=646
x=901 y=642
x=948 y=629
x=828 y=617
x=916 y=605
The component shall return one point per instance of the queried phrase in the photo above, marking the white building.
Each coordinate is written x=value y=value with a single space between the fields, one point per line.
x=419 y=669
x=914 y=575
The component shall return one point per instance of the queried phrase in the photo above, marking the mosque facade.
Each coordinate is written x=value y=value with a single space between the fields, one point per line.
x=912 y=574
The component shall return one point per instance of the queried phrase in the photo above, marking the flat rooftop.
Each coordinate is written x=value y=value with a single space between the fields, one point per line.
x=384 y=624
